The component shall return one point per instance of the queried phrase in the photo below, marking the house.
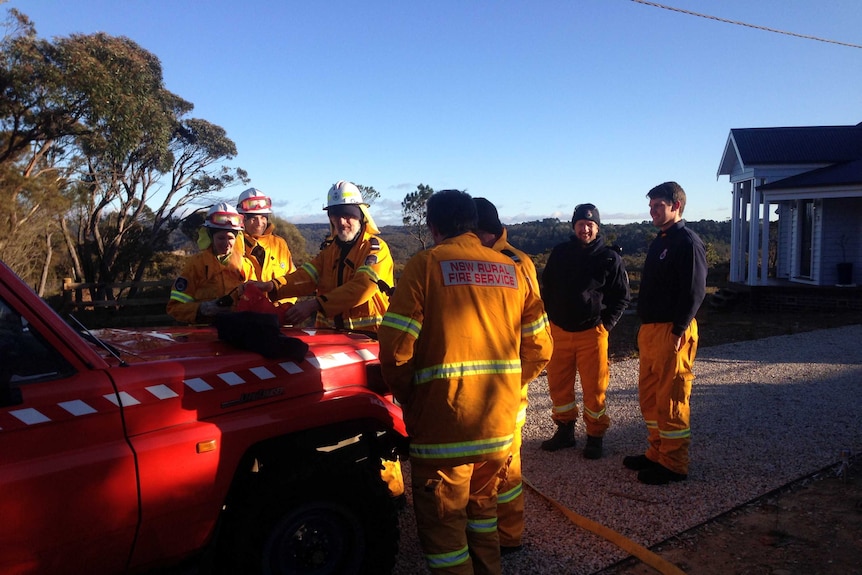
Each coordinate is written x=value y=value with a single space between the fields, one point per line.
x=810 y=178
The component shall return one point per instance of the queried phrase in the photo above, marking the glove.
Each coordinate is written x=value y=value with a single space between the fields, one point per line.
x=212 y=308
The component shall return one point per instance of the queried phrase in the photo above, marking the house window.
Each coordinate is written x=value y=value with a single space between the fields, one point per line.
x=806 y=237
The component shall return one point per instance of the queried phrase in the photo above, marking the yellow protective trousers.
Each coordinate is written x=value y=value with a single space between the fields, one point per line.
x=510 y=499
x=456 y=515
x=584 y=353
x=664 y=389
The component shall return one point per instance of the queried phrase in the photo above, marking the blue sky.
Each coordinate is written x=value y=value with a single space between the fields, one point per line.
x=537 y=106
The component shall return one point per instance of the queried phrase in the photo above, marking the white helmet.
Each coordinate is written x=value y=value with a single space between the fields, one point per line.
x=223 y=217
x=343 y=193
x=253 y=201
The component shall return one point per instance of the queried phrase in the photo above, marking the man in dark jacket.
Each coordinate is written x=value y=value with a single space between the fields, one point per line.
x=586 y=290
x=673 y=285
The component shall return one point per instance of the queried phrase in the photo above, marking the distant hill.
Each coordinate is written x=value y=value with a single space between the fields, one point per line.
x=539 y=237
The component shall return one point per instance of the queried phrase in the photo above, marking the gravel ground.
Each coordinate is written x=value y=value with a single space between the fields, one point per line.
x=764 y=413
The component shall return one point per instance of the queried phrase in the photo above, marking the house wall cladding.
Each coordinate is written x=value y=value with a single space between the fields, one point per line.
x=842 y=225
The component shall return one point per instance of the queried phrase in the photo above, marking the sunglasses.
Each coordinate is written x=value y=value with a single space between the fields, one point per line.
x=226 y=219
x=259 y=203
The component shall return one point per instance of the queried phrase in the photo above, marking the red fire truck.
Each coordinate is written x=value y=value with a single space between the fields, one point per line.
x=122 y=450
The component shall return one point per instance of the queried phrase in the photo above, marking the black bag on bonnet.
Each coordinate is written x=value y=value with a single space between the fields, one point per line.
x=260 y=333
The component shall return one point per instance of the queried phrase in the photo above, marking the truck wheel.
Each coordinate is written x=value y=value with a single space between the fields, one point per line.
x=338 y=522
x=317 y=537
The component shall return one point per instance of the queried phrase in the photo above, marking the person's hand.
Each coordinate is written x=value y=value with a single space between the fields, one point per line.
x=265 y=287
x=676 y=340
x=300 y=311
x=211 y=308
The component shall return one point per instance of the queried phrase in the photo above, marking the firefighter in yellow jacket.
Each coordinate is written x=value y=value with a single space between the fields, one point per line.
x=208 y=283
x=456 y=345
x=510 y=499
x=344 y=277
x=268 y=252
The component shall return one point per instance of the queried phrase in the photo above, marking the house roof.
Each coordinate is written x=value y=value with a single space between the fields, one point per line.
x=792 y=145
x=845 y=174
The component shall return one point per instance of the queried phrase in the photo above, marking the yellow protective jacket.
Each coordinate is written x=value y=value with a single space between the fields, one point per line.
x=346 y=284
x=205 y=278
x=528 y=268
x=271 y=258
x=456 y=346
x=533 y=303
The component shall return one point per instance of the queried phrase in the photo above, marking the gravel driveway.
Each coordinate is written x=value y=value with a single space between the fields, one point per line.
x=763 y=413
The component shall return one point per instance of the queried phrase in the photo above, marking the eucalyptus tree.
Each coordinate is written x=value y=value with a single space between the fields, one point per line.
x=123 y=151
x=369 y=194
x=414 y=212
x=37 y=124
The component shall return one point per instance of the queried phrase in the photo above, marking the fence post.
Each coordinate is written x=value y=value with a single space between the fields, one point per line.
x=67 y=295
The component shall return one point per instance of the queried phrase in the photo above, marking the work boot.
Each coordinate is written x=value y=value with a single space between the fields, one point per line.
x=659 y=475
x=638 y=462
x=509 y=549
x=564 y=437
x=593 y=449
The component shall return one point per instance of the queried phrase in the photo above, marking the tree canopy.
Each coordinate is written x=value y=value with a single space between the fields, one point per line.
x=95 y=147
x=414 y=214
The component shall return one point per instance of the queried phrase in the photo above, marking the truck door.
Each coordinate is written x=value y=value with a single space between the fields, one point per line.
x=68 y=492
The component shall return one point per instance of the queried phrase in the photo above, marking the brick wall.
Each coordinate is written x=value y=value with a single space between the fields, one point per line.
x=804 y=298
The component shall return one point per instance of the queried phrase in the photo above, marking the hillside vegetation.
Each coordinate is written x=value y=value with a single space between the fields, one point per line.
x=537 y=238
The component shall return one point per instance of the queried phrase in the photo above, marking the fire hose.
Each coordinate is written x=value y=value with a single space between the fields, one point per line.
x=639 y=551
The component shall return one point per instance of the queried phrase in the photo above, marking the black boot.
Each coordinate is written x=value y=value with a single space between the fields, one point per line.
x=593 y=449
x=564 y=437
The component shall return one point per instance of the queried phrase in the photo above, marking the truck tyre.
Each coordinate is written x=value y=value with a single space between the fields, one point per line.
x=339 y=522
x=318 y=537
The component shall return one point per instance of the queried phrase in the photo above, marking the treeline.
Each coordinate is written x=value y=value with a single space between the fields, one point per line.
x=537 y=238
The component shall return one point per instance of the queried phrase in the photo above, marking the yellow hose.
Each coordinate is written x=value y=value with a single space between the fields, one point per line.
x=642 y=553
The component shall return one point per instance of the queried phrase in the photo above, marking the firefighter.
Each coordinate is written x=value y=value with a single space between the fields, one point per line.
x=455 y=347
x=268 y=252
x=586 y=290
x=208 y=283
x=344 y=276
x=344 y=280
x=510 y=499
x=672 y=287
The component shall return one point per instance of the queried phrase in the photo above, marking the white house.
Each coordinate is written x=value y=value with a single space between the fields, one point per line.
x=811 y=178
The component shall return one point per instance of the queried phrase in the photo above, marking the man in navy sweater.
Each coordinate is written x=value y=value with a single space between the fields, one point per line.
x=673 y=285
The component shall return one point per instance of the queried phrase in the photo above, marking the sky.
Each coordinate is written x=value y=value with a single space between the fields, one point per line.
x=537 y=106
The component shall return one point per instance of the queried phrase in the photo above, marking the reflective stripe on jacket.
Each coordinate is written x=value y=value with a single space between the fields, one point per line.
x=455 y=345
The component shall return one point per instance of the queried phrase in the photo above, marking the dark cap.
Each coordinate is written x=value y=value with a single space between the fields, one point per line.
x=489 y=221
x=586 y=212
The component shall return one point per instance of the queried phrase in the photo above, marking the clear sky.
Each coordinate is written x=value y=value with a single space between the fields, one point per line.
x=537 y=105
